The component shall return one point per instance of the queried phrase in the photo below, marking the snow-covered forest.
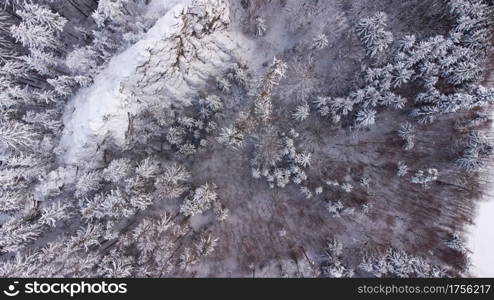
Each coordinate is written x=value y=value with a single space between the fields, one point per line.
x=244 y=138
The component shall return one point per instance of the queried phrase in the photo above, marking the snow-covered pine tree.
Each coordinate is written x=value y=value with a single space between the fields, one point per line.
x=112 y=10
x=401 y=74
x=476 y=152
x=261 y=26
x=117 y=170
x=365 y=117
x=302 y=112
x=332 y=264
x=82 y=61
x=153 y=239
x=402 y=169
x=17 y=233
x=39 y=27
x=407 y=133
x=372 y=32
x=147 y=168
x=65 y=85
x=263 y=105
x=87 y=183
x=278 y=161
x=472 y=22
x=395 y=263
x=231 y=136
x=200 y=200
x=320 y=42
x=16 y=135
x=425 y=177
x=172 y=183
x=206 y=245
x=455 y=242
x=115 y=265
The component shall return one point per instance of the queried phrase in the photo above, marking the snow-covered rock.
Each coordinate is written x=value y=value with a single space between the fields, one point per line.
x=168 y=66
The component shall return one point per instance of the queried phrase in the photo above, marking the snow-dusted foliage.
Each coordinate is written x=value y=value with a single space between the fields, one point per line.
x=331 y=262
x=407 y=133
x=171 y=184
x=336 y=108
x=38 y=28
x=395 y=263
x=231 y=136
x=456 y=243
x=277 y=160
x=373 y=34
x=335 y=208
x=365 y=117
x=16 y=135
x=425 y=177
x=109 y=10
x=261 y=27
x=402 y=169
x=200 y=200
x=263 y=104
x=188 y=134
x=476 y=153
x=302 y=112
x=320 y=42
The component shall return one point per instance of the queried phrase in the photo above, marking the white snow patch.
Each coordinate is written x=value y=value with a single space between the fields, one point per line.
x=481 y=241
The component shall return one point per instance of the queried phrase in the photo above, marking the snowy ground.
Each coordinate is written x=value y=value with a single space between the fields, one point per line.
x=481 y=241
